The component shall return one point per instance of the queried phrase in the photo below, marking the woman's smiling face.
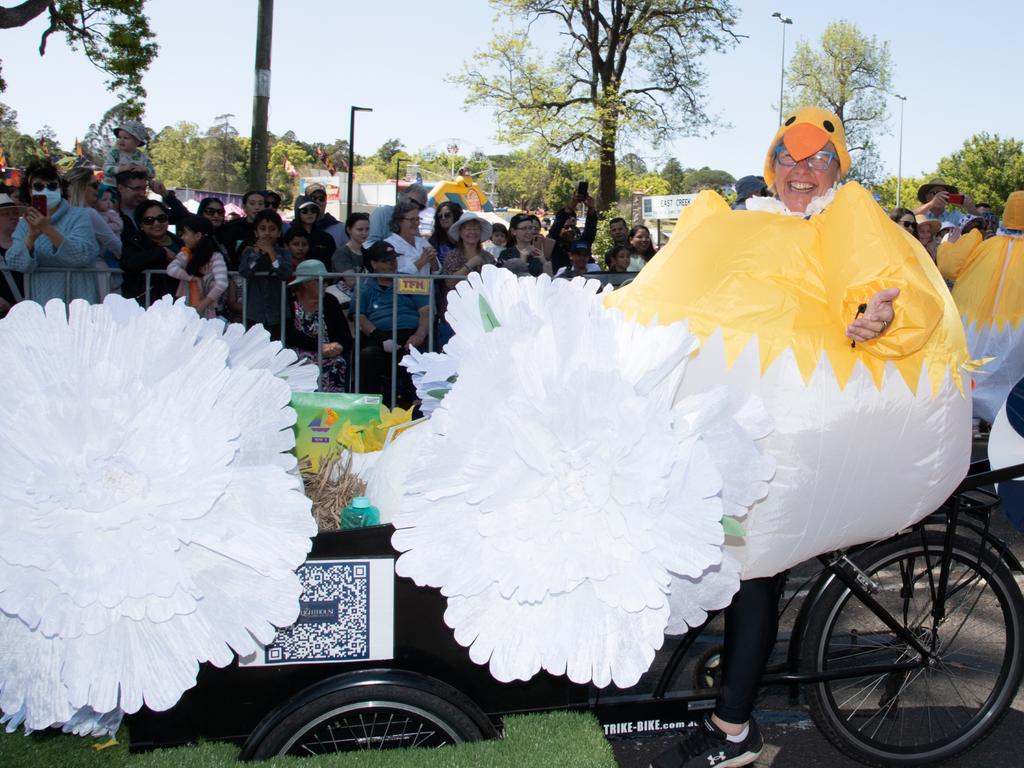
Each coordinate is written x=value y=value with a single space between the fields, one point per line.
x=796 y=185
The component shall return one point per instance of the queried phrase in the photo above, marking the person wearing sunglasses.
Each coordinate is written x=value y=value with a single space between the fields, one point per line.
x=153 y=249
x=83 y=191
x=906 y=219
x=212 y=209
x=53 y=234
x=321 y=244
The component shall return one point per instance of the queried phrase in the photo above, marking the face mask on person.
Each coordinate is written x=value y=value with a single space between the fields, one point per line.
x=53 y=198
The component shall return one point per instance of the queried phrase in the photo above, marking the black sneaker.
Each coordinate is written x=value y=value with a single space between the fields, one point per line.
x=708 y=747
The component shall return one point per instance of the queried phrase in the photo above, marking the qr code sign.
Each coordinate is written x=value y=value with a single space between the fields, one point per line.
x=334 y=616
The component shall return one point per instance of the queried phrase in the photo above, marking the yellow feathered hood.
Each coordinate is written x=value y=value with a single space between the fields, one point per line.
x=805 y=132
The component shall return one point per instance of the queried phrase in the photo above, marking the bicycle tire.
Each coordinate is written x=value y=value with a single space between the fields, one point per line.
x=933 y=713
x=369 y=717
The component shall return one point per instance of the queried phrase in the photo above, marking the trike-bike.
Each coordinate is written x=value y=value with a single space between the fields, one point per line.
x=909 y=650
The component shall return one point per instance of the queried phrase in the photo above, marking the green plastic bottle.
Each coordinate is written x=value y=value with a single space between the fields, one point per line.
x=360 y=514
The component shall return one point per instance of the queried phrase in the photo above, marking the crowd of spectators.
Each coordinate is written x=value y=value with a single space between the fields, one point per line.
x=73 y=236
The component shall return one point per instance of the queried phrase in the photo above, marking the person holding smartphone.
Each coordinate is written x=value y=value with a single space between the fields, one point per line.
x=936 y=194
x=53 y=234
x=564 y=233
x=526 y=254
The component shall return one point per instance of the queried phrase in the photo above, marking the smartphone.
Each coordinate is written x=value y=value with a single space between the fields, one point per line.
x=39 y=203
x=582 y=189
x=955 y=199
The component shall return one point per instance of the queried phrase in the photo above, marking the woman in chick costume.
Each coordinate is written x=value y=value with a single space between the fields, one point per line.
x=782 y=381
x=848 y=315
x=989 y=292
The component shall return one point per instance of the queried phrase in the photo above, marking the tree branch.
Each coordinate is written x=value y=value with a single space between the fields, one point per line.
x=20 y=15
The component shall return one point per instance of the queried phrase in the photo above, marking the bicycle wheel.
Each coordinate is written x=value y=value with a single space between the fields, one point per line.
x=370 y=717
x=934 y=712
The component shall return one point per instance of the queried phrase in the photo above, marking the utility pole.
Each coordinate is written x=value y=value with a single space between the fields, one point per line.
x=261 y=97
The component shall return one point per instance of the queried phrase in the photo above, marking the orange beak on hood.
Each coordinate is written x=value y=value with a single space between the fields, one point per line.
x=804 y=139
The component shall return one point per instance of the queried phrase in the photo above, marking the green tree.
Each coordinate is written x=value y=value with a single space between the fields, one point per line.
x=47 y=134
x=278 y=178
x=388 y=150
x=224 y=159
x=177 y=153
x=987 y=167
x=114 y=35
x=19 y=148
x=886 y=189
x=674 y=174
x=706 y=178
x=645 y=183
x=849 y=74
x=630 y=68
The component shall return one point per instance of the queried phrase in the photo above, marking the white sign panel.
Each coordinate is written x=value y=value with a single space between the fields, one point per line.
x=665 y=206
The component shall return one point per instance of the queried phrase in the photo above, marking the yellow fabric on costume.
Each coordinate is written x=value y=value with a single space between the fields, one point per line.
x=796 y=283
x=989 y=277
x=867 y=439
x=989 y=293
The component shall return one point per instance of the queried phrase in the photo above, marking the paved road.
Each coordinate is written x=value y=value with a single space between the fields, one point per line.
x=793 y=741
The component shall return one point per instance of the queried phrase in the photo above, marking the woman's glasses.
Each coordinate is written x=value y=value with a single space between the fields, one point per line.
x=445 y=215
x=39 y=186
x=161 y=219
x=819 y=161
x=907 y=223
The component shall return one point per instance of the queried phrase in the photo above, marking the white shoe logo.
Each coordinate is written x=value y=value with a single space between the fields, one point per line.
x=712 y=759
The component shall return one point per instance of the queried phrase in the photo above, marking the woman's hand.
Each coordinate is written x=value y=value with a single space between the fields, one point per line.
x=330 y=349
x=876 y=318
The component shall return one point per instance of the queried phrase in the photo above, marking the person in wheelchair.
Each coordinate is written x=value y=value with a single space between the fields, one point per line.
x=808 y=160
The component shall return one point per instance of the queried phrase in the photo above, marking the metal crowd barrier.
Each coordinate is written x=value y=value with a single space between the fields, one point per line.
x=353 y=309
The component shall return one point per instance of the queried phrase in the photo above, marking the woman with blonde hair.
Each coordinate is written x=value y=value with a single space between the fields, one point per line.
x=83 y=192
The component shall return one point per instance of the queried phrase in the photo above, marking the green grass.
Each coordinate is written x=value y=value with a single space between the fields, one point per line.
x=564 y=739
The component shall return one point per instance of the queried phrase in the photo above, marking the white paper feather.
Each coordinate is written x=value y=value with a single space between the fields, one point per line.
x=577 y=505
x=150 y=520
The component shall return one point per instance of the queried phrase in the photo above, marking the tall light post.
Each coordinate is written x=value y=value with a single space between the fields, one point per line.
x=351 y=154
x=784 y=20
x=899 y=162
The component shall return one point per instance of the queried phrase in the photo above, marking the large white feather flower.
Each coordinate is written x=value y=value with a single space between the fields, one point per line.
x=576 y=506
x=150 y=521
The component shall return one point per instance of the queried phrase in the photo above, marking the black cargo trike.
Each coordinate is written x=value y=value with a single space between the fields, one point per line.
x=908 y=651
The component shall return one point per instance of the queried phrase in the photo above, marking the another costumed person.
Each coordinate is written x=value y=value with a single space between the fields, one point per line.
x=989 y=293
x=777 y=383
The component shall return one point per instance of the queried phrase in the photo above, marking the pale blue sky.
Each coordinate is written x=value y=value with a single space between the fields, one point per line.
x=950 y=60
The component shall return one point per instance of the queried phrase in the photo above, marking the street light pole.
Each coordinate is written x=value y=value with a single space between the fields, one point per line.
x=899 y=162
x=784 y=20
x=351 y=155
x=398 y=174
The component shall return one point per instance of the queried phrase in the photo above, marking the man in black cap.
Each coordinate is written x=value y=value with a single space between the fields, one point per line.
x=381 y=334
x=747 y=187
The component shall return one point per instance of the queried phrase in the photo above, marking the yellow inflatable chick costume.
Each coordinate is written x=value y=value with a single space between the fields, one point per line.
x=867 y=438
x=989 y=293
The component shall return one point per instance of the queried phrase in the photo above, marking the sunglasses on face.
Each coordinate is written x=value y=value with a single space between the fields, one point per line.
x=161 y=219
x=908 y=224
x=213 y=212
x=39 y=186
x=445 y=215
x=309 y=209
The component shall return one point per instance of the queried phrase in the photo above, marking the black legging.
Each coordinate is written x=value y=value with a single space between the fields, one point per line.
x=751 y=624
